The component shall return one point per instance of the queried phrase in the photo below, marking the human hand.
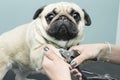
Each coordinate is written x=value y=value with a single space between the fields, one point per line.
x=56 y=68
x=87 y=51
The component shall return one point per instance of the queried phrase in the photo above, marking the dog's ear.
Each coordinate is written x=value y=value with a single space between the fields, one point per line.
x=38 y=12
x=87 y=18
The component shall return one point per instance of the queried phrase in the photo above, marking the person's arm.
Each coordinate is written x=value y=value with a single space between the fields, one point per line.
x=101 y=51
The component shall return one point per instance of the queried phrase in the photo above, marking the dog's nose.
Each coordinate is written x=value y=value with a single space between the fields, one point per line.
x=63 y=17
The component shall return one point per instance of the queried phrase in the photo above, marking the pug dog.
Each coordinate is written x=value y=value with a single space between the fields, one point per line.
x=58 y=25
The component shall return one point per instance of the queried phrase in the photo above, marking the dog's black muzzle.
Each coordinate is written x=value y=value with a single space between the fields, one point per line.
x=63 y=29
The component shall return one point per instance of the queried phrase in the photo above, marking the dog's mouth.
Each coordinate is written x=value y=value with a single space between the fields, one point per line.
x=63 y=30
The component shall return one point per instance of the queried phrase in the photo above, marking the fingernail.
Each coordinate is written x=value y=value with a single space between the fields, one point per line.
x=73 y=64
x=46 y=48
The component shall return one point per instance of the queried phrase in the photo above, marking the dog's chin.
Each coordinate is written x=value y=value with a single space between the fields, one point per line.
x=63 y=30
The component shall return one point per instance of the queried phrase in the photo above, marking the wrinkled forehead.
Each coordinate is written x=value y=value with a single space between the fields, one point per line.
x=63 y=7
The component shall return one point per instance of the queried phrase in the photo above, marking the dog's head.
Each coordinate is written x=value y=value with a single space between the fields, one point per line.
x=63 y=20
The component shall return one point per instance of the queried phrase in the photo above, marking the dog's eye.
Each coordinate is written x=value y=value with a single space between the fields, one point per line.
x=76 y=16
x=49 y=17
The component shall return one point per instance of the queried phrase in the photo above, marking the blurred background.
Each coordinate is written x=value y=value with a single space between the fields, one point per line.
x=105 y=25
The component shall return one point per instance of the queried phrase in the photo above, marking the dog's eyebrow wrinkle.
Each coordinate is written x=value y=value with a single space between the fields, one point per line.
x=72 y=11
x=55 y=11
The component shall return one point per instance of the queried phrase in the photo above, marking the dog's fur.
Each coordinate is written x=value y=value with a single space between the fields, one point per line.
x=21 y=49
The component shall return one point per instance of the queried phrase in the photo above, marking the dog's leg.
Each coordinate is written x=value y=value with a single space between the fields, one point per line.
x=3 y=70
x=4 y=67
x=21 y=75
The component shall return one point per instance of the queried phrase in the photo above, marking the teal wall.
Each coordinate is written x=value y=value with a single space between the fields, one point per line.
x=104 y=14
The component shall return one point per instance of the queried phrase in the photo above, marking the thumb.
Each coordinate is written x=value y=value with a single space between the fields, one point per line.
x=77 y=61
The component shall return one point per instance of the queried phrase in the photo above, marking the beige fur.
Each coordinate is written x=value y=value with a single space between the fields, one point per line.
x=22 y=47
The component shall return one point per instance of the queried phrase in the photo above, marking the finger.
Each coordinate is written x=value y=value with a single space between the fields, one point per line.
x=75 y=71
x=73 y=48
x=49 y=53
x=76 y=48
x=78 y=60
x=78 y=76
